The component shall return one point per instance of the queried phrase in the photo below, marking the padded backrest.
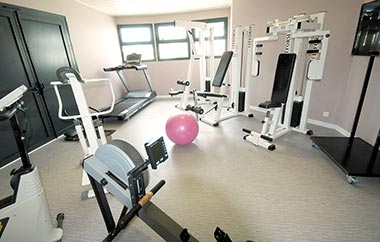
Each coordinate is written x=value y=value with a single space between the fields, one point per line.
x=283 y=77
x=222 y=69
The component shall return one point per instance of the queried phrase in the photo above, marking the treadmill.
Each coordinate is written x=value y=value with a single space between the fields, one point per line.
x=134 y=100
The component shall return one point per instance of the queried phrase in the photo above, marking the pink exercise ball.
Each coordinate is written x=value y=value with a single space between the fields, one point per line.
x=182 y=128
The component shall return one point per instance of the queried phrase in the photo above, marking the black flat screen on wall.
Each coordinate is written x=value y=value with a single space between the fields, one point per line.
x=367 y=36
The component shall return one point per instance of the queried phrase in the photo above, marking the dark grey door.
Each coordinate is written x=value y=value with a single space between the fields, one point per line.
x=33 y=45
x=15 y=70
x=47 y=40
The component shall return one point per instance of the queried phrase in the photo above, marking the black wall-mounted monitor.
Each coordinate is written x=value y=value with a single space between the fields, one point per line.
x=367 y=38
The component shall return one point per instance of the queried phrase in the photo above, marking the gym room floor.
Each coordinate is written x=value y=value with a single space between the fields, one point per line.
x=291 y=194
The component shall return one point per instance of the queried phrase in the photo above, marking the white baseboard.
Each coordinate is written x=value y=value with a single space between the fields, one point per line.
x=167 y=97
x=257 y=109
x=329 y=126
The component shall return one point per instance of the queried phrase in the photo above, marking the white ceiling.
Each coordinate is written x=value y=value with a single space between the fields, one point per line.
x=153 y=7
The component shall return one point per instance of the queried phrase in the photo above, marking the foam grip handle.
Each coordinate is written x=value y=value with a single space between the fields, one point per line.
x=145 y=199
x=195 y=109
x=198 y=110
x=183 y=83
x=158 y=186
x=109 y=69
x=246 y=130
x=266 y=138
x=150 y=194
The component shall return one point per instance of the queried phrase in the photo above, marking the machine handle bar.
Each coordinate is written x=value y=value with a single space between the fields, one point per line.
x=134 y=211
x=60 y=105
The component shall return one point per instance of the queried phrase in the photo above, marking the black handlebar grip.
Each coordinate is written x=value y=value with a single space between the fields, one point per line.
x=247 y=130
x=108 y=69
x=198 y=110
x=158 y=186
x=183 y=83
x=315 y=41
x=266 y=138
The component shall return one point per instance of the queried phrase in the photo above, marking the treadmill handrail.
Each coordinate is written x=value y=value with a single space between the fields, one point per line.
x=72 y=78
x=137 y=67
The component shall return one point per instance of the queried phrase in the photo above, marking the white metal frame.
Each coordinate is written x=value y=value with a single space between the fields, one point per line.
x=89 y=144
x=197 y=55
x=298 y=29
x=242 y=42
x=240 y=80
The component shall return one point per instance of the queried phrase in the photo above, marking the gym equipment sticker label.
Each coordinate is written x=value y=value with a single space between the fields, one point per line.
x=3 y=224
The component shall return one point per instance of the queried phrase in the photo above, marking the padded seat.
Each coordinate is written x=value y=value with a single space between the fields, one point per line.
x=270 y=104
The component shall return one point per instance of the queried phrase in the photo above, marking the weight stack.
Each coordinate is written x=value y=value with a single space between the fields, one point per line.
x=241 y=101
x=296 y=113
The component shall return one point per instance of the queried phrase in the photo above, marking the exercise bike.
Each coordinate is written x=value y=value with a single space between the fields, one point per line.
x=24 y=215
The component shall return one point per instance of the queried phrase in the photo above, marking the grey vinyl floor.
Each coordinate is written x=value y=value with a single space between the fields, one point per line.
x=292 y=194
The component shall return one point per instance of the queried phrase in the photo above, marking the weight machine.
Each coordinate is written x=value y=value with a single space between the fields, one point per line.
x=241 y=84
x=196 y=54
x=214 y=101
x=289 y=106
x=232 y=92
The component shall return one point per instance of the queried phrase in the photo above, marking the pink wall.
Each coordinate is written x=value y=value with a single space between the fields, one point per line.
x=164 y=74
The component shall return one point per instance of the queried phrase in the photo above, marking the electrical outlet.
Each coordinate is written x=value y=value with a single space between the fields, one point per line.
x=326 y=114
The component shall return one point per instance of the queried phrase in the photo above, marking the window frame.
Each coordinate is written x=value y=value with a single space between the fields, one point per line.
x=158 y=41
x=215 y=20
x=151 y=42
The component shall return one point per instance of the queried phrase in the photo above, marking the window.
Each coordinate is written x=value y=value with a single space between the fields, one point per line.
x=172 y=42
x=168 y=42
x=137 y=38
x=220 y=35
